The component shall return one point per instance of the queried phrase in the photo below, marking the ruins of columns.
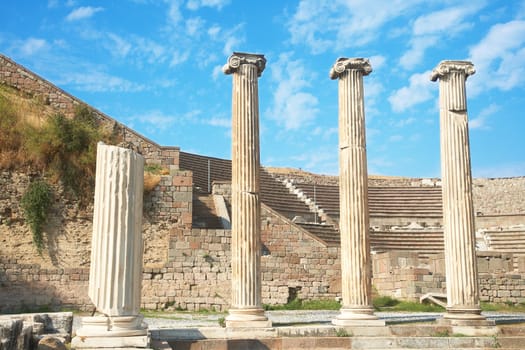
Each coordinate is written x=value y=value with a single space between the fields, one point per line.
x=116 y=253
x=356 y=269
x=458 y=212
x=246 y=304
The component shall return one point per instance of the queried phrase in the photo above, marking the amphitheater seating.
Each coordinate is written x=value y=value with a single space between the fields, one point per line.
x=424 y=242
x=506 y=240
x=273 y=193
x=327 y=233
x=409 y=202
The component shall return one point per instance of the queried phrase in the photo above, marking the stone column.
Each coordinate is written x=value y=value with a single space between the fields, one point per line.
x=356 y=269
x=246 y=306
x=458 y=212
x=116 y=253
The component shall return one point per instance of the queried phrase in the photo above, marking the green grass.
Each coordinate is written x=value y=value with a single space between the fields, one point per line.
x=315 y=304
x=385 y=303
x=519 y=307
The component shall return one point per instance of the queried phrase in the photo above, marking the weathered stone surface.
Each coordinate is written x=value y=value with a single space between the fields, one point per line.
x=246 y=305
x=13 y=335
x=116 y=254
x=356 y=269
x=51 y=343
x=458 y=210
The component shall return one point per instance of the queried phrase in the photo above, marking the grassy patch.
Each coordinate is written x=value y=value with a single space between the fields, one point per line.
x=341 y=332
x=298 y=304
x=64 y=149
x=518 y=307
x=386 y=303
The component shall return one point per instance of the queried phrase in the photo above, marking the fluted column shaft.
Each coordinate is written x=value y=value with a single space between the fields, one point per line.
x=458 y=212
x=116 y=253
x=246 y=304
x=356 y=271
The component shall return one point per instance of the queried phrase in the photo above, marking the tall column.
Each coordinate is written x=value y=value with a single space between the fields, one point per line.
x=246 y=306
x=458 y=212
x=116 y=253
x=356 y=270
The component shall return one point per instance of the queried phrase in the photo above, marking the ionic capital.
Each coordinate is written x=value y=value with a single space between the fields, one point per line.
x=343 y=63
x=239 y=58
x=445 y=68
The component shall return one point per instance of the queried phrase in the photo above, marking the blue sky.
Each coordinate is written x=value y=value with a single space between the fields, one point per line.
x=155 y=66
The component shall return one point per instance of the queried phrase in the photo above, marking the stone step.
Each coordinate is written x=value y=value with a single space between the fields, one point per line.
x=335 y=343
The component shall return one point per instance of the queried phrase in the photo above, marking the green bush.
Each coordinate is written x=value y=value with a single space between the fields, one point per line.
x=66 y=148
x=36 y=202
x=384 y=301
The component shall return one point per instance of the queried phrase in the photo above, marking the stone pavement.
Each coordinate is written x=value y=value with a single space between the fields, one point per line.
x=313 y=330
x=301 y=317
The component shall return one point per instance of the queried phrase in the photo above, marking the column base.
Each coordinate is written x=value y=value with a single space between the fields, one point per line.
x=111 y=332
x=463 y=313
x=357 y=316
x=247 y=318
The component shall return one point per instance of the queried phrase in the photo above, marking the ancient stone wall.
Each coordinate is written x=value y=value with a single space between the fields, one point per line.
x=403 y=275
x=294 y=263
x=198 y=274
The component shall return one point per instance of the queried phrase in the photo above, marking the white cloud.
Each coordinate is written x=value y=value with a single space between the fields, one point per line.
x=373 y=90
x=327 y=24
x=152 y=51
x=447 y=21
x=94 y=81
x=232 y=44
x=174 y=14
x=396 y=138
x=377 y=61
x=31 y=46
x=418 y=91
x=119 y=46
x=500 y=57
x=179 y=58
x=429 y=28
x=220 y=122
x=403 y=122
x=416 y=53
x=480 y=122
x=292 y=106
x=217 y=71
x=157 y=121
x=194 y=26
x=82 y=13
x=196 y=4
x=213 y=31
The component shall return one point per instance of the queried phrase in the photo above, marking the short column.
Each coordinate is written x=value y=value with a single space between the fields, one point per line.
x=246 y=306
x=116 y=253
x=356 y=269
x=458 y=212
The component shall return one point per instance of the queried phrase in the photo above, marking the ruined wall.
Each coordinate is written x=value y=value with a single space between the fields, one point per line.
x=198 y=275
x=59 y=276
x=296 y=263
x=402 y=275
